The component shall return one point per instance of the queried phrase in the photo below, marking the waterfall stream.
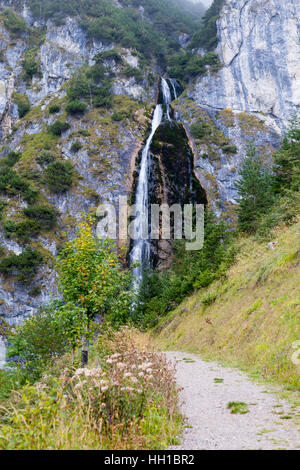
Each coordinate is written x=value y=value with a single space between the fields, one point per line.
x=2 y=353
x=140 y=253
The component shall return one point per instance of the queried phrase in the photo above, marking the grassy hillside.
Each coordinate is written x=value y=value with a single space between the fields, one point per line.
x=251 y=319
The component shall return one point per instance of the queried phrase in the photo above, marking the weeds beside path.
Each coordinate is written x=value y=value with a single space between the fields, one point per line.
x=227 y=410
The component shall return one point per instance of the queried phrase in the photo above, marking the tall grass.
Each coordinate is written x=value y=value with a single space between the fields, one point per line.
x=127 y=399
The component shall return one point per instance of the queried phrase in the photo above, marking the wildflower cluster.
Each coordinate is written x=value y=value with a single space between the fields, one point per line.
x=120 y=391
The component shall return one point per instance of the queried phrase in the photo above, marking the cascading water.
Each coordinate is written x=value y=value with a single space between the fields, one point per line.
x=2 y=353
x=167 y=97
x=140 y=253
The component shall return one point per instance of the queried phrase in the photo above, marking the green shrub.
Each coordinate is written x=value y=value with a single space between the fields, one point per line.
x=27 y=229
x=119 y=116
x=76 y=146
x=206 y=37
x=76 y=107
x=24 y=266
x=59 y=127
x=10 y=227
x=14 y=23
x=44 y=215
x=84 y=132
x=112 y=54
x=134 y=72
x=22 y=102
x=11 y=159
x=12 y=184
x=59 y=176
x=45 y=158
x=30 y=65
x=199 y=130
x=54 y=108
x=39 y=341
x=229 y=148
x=35 y=291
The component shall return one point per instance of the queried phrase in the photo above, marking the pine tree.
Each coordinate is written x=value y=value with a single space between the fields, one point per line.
x=287 y=160
x=256 y=190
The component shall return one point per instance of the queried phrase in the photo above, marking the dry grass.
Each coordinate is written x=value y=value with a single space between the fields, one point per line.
x=253 y=315
x=127 y=399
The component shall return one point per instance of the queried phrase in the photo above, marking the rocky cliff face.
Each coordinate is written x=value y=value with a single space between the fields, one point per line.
x=108 y=145
x=251 y=98
x=256 y=92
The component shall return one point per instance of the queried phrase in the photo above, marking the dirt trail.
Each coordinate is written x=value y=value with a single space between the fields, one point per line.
x=210 y=425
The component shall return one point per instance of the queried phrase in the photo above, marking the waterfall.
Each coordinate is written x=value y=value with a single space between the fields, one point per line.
x=140 y=253
x=174 y=83
x=2 y=352
x=167 y=96
x=141 y=247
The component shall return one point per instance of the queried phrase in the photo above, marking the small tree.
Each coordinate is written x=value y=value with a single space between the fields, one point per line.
x=287 y=160
x=256 y=190
x=90 y=277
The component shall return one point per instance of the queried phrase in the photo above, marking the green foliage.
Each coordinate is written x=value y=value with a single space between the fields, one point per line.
x=190 y=64
x=31 y=66
x=206 y=37
x=125 y=26
x=162 y=291
x=59 y=176
x=11 y=159
x=134 y=72
x=45 y=158
x=24 y=265
x=229 y=148
x=76 y=107
x=22 y=102
x=92 y=85
x=112 y=54
x=76 y=146
x=200 y=130
x=287 y=160
x=90 y=275
x=255 y=188
x=59 y=127
x=14 y=23
x=41 y=339
x=54 y=108
x=12 y=184
x=44 y=215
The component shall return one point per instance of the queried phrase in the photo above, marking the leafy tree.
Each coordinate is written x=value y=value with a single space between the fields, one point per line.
x=90 y=277
x=45 y=336
x=256 y=190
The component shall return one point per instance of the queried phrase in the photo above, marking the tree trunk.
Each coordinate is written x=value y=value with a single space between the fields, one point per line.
x=85 y=348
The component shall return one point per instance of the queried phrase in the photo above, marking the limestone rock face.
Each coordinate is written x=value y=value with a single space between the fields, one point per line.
x=259 y=48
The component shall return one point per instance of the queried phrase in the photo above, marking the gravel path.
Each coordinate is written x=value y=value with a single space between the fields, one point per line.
x=210 y=425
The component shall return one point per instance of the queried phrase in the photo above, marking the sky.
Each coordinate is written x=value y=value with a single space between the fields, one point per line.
x=206 y=3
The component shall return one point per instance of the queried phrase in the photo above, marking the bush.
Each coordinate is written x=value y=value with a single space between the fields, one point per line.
x=45 y=216
x=45 y=158
x=12 y=184
x=10 y=227
x=39 y=341
x=11 y=159
x=23 y=104
x=134 y=72
x=24 y=265
x=112 y=54
x=119 y=116
x=76 y=146
x=14 y=23
x=30 y=65
x=76 y=107
x=230 y=149
x=59 y=176
x=59 y=127
x=54 y=108
x=199 y=130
